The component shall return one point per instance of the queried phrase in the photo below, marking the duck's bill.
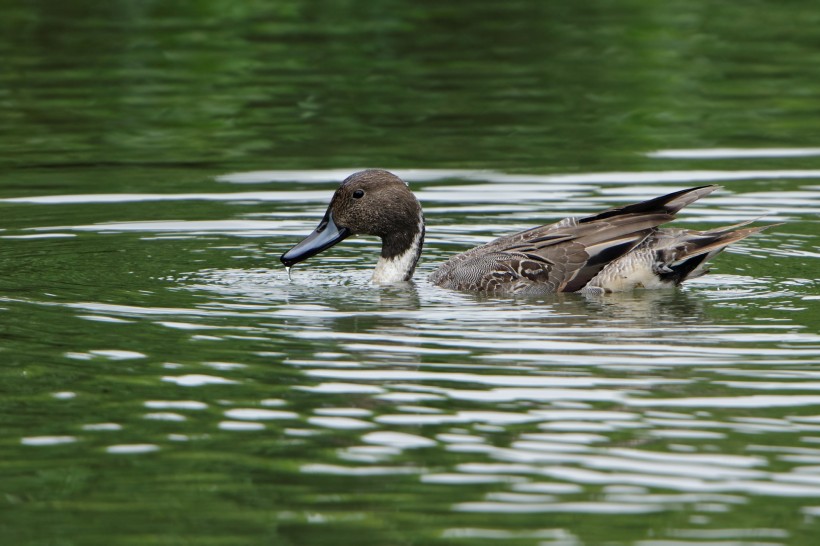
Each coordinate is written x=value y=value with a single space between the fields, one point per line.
x=326 y=234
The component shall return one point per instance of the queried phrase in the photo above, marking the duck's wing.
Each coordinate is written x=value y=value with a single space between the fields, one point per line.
x=564 y=256
x=561 y=260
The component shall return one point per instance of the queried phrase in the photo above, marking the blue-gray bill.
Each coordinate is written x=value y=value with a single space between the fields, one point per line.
x=326 y=234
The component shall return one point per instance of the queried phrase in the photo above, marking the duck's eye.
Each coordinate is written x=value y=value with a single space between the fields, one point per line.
x=358 y=194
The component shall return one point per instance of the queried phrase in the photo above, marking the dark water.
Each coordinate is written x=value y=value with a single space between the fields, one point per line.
x=163 y=382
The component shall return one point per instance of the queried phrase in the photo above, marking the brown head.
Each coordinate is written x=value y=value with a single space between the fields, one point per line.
x=371 y=202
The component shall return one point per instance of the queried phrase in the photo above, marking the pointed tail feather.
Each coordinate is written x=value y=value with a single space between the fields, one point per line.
x=700 y=247
x=713 y=241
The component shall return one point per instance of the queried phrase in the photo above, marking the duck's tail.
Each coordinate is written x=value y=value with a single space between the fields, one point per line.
x=683 y=254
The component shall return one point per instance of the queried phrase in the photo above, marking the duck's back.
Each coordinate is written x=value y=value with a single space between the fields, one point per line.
x=561 y=257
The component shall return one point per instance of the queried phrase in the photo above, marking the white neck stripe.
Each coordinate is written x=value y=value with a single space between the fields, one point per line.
x=400 y=268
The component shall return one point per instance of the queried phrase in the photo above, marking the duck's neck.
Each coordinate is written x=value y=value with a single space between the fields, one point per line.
x=400 y=253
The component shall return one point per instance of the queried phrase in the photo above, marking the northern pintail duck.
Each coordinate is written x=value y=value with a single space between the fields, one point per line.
x=615 y=250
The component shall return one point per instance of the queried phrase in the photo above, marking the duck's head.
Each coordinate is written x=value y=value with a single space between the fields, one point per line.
x=371 y=202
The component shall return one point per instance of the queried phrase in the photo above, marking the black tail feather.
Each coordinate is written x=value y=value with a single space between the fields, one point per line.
x=669 y=204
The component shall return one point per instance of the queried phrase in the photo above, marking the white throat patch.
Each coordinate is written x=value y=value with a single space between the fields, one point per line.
x=400 y=268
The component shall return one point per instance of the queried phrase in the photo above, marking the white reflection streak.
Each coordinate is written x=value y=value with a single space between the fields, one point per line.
x=572 y=507
x=494 y=380
x=752 y=401
x=428 y=175
x=733 y=153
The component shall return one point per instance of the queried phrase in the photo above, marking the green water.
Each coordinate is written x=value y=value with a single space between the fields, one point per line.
x=164 y=383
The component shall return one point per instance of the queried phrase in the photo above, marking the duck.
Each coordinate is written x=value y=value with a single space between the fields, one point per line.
x=616 y=250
